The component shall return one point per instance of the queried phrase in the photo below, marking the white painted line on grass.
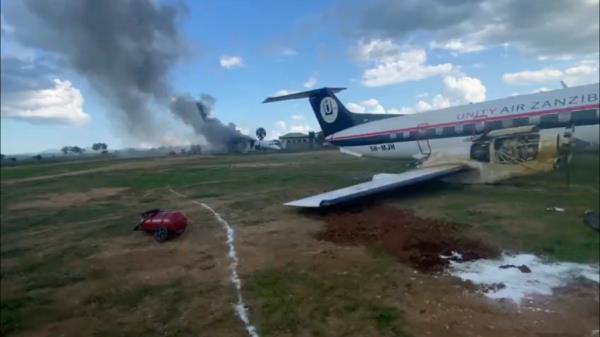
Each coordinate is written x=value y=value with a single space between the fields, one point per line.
x=241 y=309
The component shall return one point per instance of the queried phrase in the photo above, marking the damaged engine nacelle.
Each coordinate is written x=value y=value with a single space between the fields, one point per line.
x=506 y=153
x=508 y=146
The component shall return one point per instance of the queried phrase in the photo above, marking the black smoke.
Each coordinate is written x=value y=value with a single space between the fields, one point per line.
x=124 y=49
x=197 y=114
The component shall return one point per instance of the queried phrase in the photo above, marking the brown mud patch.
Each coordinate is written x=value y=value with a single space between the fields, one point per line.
x=64 y=200
x=426 y=244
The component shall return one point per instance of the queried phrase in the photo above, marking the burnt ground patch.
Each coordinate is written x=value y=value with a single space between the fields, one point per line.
x=424 y=243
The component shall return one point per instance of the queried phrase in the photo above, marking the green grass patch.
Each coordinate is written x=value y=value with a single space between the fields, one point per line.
x=291 y=302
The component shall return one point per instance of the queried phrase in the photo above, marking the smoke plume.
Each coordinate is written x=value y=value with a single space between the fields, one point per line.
x=124 y=49
x=197 y=114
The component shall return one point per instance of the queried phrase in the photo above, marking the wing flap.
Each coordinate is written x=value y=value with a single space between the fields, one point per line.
x=380 y=183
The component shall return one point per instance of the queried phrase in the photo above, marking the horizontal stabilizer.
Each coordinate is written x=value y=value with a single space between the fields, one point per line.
x=303 y=94
x=380 y=183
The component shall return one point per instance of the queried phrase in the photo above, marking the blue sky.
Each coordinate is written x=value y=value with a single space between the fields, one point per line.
x=392 y=56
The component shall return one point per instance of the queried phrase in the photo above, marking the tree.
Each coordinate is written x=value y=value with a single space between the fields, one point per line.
x=77 y=149
x=2 y=157
x=37 y=157
x=261 y=133
x=99 y=147
x=65 y=149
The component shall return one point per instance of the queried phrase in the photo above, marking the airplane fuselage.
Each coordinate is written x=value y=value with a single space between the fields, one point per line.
x=452 y=128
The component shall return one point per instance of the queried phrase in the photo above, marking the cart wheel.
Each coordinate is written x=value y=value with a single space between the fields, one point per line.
x=161 y=234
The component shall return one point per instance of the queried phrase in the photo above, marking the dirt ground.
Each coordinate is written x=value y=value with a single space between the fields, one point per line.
x=63 y=200
x=416 y=241
x=439 y=304
x=72 y=266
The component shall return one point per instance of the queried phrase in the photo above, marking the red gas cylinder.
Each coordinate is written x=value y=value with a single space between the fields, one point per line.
x=162 y=223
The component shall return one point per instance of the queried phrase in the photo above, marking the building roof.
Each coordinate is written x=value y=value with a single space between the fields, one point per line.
x=294 y=135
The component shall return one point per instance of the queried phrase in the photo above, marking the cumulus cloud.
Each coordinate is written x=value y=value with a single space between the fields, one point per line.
x=282 y=92
x=61 y=104
x=437 y=102
x=465 y=88
x=457 y=46
x=393 y=65
x=458 y=90
x=536 y=76
x=368 y=106
x=231 y=62
x=580 y=73
x=538 y=27
x=311 y=82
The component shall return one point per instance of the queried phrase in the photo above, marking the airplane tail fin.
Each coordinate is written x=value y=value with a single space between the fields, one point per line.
x=330 y=112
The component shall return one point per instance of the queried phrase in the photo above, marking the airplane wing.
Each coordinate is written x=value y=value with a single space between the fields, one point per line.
x=380 y=183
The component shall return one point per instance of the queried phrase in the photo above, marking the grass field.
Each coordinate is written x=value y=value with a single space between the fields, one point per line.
x=71 y=264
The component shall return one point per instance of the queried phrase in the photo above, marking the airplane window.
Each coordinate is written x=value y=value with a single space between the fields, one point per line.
x=549 y=120
x=564 y=117
x=493 y=125
x=534 y=120
x=584 y=116
x=520 y=122
x=469 y=129
x=448 y=130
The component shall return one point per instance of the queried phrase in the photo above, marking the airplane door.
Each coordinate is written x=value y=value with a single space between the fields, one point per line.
x=422 y=141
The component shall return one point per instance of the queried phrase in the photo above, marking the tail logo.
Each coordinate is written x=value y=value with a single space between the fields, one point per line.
x=329 y=109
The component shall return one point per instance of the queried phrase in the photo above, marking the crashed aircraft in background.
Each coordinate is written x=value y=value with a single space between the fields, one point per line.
x=475 y=143
x=267 y=145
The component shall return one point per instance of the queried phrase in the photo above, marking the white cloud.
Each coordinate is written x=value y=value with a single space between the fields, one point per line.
x=230 y=62
x=289 y=52
x=464 y=88
x=311 y=82
x=457 y=46
x=283 y=92
x=582 y=72
x=438 y=102
x=5 y=27
x=280 y=125
x=282 y=128
x=537 y=76
x=545 y=28
x=297 y=117
x=62 y=104
x=392 y=65
x=542 y=89
x=457 y=90
x=244 y=131
x=305 y=128
x=369 y=106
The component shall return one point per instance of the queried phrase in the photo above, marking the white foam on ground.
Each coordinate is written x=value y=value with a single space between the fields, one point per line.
x=241 y=309
x=543 y=278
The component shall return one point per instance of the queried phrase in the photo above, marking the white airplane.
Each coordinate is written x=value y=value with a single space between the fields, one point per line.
x=475 y=143
x=273 y=144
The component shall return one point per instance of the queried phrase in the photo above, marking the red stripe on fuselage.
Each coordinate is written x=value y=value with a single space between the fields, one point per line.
x=470 y=121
